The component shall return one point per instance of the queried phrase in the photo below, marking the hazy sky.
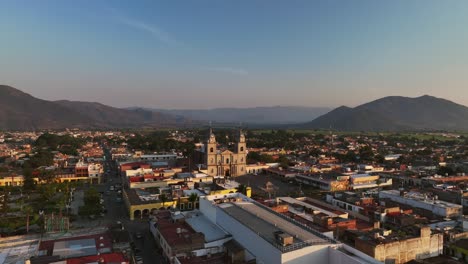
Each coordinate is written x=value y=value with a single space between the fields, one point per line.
x=216 y=53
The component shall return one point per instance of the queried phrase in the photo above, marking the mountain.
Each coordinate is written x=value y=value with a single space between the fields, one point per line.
x=254 y=115
x=396 y=113
x=21 y=111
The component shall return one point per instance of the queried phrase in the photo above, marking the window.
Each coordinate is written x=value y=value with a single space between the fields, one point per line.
x=242 y=168
x=211 y=150
x=189 y=206
x=227 y=161
x=212 y=170
x=241 y=148
x=182 y=206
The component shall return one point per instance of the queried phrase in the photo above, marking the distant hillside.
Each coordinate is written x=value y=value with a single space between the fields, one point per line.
x=396 y=113
x=255 y=115
x=21 y=111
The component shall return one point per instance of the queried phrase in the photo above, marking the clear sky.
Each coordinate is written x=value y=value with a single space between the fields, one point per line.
x=220 y=53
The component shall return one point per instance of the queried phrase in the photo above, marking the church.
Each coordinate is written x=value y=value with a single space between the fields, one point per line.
x=222 y=162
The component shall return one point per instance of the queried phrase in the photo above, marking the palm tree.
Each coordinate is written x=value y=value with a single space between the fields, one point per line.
x=242 y=189
x=28 y=210
x=163 y=199
x=193 y=199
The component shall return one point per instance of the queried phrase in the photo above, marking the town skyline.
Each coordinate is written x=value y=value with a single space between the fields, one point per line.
x=207 y=55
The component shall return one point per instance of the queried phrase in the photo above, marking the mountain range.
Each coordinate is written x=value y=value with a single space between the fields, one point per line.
x=396 y=113
x=254 y=115
x=21 y=111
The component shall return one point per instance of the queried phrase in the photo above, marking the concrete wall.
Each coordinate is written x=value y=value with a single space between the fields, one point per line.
x=406 y=250
x=356 y=257
x=313 y=254
x=207 y=208
x=263 y=250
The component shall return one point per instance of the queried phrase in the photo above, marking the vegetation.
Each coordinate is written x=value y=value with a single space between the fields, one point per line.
x=159 y=141
x=91 y=203
x=66 y=144
x=29 y=183
x=255 y=157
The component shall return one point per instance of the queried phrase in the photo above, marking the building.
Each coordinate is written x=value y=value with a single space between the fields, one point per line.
x=267 y=235
x=222 y=162
x=419 y=200
x=459 y=250
x=141 y=203
x=87 y=247
x=92 y=172
x=401 y=247
x=176 y=239
x=324 y=182
x=367 y=181
x=333 y=183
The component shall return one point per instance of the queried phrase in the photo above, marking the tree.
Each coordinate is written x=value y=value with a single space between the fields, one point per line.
x=242 y=189
x=193 y=198
x=444 y=170
x=91 y=202
x=283 y=161
x=29 y=183
x=6 y=196
x=366 y=153
x=47 y=176
x=28 y=210
x=163 y=199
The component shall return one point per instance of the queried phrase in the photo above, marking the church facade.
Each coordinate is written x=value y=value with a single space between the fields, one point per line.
x=223 y=162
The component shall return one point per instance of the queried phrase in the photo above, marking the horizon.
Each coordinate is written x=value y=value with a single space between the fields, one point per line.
x=248 y=107
x=210 y=54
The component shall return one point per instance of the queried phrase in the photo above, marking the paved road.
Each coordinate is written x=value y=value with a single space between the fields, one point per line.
x=117 y=211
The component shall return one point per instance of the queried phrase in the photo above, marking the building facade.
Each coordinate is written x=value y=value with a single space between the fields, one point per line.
x=223 y=162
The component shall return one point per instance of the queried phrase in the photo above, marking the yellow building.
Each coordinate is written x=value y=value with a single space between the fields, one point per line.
x=140 y=207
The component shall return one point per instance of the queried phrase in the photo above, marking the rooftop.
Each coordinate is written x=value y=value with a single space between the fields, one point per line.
x=201 y=224
x=293 y=201
x=421 y=197
x=178 y=233
x=265 y=223
x=146 y=196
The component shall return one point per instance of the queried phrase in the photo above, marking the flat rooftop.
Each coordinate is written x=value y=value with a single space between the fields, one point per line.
x=146 y=196
x=265 y=222
x=293 y=201
x=416 y=196
x=201 y=224
x=75 y=248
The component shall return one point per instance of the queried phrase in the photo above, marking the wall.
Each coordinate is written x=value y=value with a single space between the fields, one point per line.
x=264 y=251
x=405 y=250
x=356 y=257
x=208 y=209
x=307 y=255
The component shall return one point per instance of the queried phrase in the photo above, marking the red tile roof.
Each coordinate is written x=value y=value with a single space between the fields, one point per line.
x=103 y=258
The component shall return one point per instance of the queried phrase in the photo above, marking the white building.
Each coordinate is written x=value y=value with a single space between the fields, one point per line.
x=95 y=170
x=271 y=237
x=138 y=172
x=419 y=200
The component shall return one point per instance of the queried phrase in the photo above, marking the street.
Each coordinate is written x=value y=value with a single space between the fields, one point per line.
x=117 y=211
